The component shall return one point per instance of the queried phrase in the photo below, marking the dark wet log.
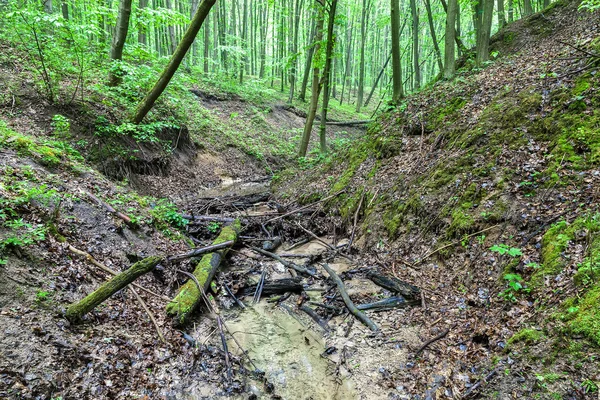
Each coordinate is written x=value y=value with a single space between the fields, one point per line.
x=203 y=250
x=316 y=317
x=388 y=304
x=395 y=285
x=279 y=286
x=349 y=304
x=271 y=244
x=190 y=296
x=287 y=264
x=76 y=311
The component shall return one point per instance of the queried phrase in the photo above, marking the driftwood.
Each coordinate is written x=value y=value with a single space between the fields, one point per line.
x=77 y=310
x=203 y=250
x=305 y=207
x=388 y=304
x=111 y=210
x=287 y=264
x=278 y=286
x=316 y=317
x=349 y=304
x=189 y=297
x=395 y=285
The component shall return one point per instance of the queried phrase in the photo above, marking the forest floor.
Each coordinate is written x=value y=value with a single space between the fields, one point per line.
x=457 y=170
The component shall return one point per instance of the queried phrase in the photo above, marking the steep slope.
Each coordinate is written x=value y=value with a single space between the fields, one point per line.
x=483 y=191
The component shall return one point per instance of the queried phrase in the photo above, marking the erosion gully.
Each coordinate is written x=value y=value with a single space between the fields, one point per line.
x=276 y=349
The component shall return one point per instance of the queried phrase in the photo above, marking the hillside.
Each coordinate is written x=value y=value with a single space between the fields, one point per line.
x=484 y=192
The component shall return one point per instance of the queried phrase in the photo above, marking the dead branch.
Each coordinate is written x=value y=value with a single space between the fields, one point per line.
x=287 y=264
x=316 y=317
x=203 y=250
x=305 y=207
x=111 y=210
x=430 y=341
x=150 y=315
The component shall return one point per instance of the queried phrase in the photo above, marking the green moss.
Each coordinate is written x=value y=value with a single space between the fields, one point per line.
x=509 y=37
x=584 y=318
x=449 y=110
x=462 y=222
x=526 y=335
x=582 y=85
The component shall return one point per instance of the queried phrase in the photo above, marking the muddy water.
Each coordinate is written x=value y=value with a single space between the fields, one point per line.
x=289 y=353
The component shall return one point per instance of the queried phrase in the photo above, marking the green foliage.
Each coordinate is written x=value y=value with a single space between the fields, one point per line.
x=61 y=126
x=21 y=234
x=142 y=133
x=502 y=249
x=165 y=213
x=515 y=287
x=42 y=295
x=213 y=227
x=590 y=5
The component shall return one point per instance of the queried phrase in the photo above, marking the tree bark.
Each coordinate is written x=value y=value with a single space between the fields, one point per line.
x=363 y=39
x=327 y=76
x=415 y=46
x=501 y=17
x=483 y=38
x=527 y=8
x=436 y=46
x=316 y=90
x=76 y=311
x=142 y=38
x=187 y=40
x=116 y=50
x=398 y=90
x=449 y=60
x=189 y=296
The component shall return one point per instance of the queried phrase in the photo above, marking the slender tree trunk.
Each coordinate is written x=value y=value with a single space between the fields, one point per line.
x=186 y=42
x=387 y=61
x=65 y=10
x=415 y=35
x=483 y=39
x=527 y=8
x=436 y=46
x=48 y=6
x=348 y=57
x=501 y=17
x=119 y=37
x=326 y=76
x=511 y=11
x=142 y=39
x=244 y=59
x=172 y=41
x=398 y=90
x=309 y=57
x=450 y=62
x=316 y=89
x=296 y=28
x=205 y=54
x=363 y=40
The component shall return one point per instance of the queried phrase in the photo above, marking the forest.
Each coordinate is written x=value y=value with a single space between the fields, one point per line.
x=248 y=199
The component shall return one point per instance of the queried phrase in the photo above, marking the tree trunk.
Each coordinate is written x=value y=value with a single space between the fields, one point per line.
x=76 y=311
x=363 y=39
x=436 y=45
x=387 y=61
x=65 y=10
x=307 y=69
x=483 y=38
x=527 y=8
x=327 y=76
x=171 y=30
x=205 y=54
x=511 y=11
x=348 y=58
x=244 y=43
x=316 y=90
x=48 y=6
x=296 y=28
x=142 y=39
x=116 y=50
x=415 y=46
x=398 y=91
x=187 y=40
x=450 y=62
x=501 y=17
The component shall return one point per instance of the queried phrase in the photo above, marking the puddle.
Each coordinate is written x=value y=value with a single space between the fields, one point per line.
x=289 y=352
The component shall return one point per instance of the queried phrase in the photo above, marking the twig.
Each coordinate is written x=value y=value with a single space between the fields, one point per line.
x=259 y=287
x=361 y=316
x=149 y=313
x=110 y=209
x=237 y=301
x=476 y=386
x=225 y=349
x=325 y=306
x=430 y=341
x=305 y=207
x=196 y=252
x=288 y=264
x=104 y=268
x=316 y=237
x=355 y=221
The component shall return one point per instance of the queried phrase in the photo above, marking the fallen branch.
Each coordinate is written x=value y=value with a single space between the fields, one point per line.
x=316 y=317
x=189 y=297
x=259 y=287
x=111 y=210
x=278 y=286
x=349 y=304
x=104 y=268
x=388 y=304
x=203 y=250
x=355 y=221
x=430 y=341
x=77 y=310
x=237 y=301
x=305 y=207
x=207 y=218
x=395 y=285
x=225 y=349
x=476 y=386
x=349 y=123
x=150 y=315
x=287 y=264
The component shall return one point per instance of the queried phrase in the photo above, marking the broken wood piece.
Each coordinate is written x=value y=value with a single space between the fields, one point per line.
x=77 y=310
x=189 y=296
x=104 y=268
x=233 y=296
x=435 y=339
x=316 y=317
x=278 y=286
x=326 y=306
x=271 y=244
x=305 y=207
x=361 y=316
x=111 y=210
x=225 y=349
x=395 y=285
x=202 y=250
x=259 y=287
x=388 y=304
x=287 y=264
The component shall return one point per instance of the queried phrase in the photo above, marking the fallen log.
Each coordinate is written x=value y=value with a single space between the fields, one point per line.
x=349 y=304
x=278 y=286
x=395 y=285
x=202 y=250
x=77 y=310
x=349 y=123
x=189 y=296
x=287 y=264
x=388 y=304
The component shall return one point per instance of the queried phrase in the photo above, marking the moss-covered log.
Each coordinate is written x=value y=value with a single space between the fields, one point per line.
x=189 y=297
x=77 y=310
